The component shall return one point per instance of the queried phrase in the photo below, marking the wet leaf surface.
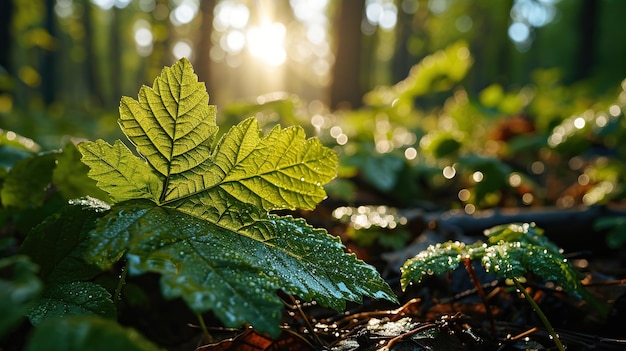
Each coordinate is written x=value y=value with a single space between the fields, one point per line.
x=204 y=223
x=72 y=299
x=233 y=273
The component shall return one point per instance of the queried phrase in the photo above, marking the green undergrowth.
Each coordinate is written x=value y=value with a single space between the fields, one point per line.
x=191 y=207
x=185 y=216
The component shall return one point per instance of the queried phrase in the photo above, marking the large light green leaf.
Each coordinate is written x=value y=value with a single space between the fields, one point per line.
x=172 y=123
x=207 y=230
x=118 y=172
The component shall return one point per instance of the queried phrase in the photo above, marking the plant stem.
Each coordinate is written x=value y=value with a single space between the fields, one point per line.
x=120 y=285
x=306 y=321
x=540 y=314
x=479 y=289
x=205 y=331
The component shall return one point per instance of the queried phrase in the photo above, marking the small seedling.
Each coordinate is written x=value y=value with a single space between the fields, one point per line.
x=510 y=252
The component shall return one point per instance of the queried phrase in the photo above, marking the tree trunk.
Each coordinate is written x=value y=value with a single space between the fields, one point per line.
x=586 y=51
x=48 y=58
x=6 y=13
x=203 y=46
x=91 y=67
x=346 y=89
x=116 y=56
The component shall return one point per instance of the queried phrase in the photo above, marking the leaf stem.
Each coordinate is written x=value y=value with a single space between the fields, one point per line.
x=479 y=289
x=205 y=331
x=306 y=320
x=540 y=314
x=120 y=285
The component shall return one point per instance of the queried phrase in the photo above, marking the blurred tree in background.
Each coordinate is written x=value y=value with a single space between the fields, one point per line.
x=65 y=63
x=430 y=104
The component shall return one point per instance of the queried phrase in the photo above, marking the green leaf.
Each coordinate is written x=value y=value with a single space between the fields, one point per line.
x=206 y=228
x=234 y=273
x=72 y=299
x=58 y=244
x=19 y=289
x=282 y=170
x=382 y=171
x=9 y=155
x=70 y=176
x=512 y=251
x=494 y=170
x=521 y=232
x=14 y=148
x=118 y=172
x=444 y=144
x=616 y=227
x=436 y=259
x=172 y=123
x=24 y=187
x=86 y=333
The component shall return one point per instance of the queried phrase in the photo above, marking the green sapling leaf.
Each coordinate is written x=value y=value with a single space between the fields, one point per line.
x=197 y=213
x=512 y=251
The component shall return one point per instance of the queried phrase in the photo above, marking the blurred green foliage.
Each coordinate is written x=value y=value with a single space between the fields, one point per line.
x=427 y=142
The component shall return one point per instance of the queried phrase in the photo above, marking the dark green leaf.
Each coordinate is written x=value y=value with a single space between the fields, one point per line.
x=25 y=185
x=9 y=156
x=14 y=148
x=72 y=299
x=382 y=171
x=616 y=226
x=70 y=176
x=58 y=244
x=235 y=273
x=19 y=290
x=443 y=144
x=495 y=173
x=87 y=333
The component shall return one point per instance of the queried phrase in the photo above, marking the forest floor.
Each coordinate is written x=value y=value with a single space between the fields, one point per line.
x=448 y=312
